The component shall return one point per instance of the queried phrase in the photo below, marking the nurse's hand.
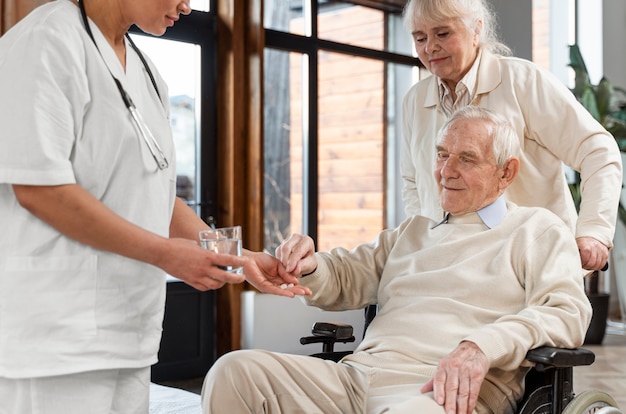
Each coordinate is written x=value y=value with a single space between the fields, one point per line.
x=197 y=267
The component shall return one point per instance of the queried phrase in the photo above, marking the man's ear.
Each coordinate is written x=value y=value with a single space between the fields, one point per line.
x=509 y=172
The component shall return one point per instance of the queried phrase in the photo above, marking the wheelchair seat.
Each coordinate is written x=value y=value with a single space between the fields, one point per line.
x=548 y=384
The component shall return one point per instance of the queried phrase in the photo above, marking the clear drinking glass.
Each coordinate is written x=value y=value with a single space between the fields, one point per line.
x=224 y=240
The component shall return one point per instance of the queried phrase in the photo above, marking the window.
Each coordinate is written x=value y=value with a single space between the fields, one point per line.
x=335 y=75
x=185 y=56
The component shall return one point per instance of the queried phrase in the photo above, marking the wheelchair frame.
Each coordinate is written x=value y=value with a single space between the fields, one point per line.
x=549 y=385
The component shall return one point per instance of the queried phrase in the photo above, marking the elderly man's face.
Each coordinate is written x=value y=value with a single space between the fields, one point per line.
x=466 y=169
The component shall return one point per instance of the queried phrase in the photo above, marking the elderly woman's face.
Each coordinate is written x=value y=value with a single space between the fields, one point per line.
x=447 y=49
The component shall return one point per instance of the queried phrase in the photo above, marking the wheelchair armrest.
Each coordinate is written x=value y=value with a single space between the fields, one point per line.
x=546 y=357
x=328 y=333
x=336 y=330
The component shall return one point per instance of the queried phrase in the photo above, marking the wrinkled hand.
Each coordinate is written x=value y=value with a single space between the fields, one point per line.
x=297 y=254
x=593 y=253
x=198 y=267
x=458 y=379
x=267 y=274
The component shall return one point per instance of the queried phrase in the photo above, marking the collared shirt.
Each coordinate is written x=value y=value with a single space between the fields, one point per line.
x=494 y=213
x=465 y=90
x=491 y=215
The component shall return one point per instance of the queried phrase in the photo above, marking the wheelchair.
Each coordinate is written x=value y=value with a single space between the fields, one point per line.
x=548 y=384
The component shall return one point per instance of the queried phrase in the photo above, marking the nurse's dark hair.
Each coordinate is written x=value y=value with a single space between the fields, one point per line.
x=505 y=140
x=470 y=12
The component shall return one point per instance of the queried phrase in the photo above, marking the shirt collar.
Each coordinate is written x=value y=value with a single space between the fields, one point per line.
x=491 y=215
x=494 y=213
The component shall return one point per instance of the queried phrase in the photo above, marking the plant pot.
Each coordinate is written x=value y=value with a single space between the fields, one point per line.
x=597 y=327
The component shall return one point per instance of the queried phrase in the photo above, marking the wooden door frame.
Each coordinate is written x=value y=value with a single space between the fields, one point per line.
x=240 y=144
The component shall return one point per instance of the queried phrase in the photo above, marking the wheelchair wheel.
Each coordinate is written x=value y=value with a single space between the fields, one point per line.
x=592 y=402
x=539 y=402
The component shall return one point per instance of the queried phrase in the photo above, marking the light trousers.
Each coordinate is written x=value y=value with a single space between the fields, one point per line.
x=255 y=381
x=117 y=391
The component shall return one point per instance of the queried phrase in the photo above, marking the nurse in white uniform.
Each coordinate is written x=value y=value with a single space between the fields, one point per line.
x=89 y=219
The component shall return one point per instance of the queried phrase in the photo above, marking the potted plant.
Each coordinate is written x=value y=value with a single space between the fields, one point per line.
x=607 y=104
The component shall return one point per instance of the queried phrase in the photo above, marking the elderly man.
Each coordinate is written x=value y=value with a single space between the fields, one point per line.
x=461 y=301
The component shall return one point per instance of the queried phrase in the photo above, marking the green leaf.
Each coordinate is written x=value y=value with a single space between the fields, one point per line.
x=588 y=99
x=581 y=74
x=604 y=97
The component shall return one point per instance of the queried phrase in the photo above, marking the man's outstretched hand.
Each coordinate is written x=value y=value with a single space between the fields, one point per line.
x=268 y=275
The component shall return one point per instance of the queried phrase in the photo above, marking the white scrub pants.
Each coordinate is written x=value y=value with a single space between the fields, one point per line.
x=255 y=381
x=114 y=391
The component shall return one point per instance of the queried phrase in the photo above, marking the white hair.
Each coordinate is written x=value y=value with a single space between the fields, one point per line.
x=470 y=12
x=505 y=141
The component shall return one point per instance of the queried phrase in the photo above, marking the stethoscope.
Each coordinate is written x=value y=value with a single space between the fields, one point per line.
x=142 y=127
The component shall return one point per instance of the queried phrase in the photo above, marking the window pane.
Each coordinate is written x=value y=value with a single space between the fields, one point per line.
x=351 y=150
x=400 y=78
x=349 y=24
x=285 y=15
x=201 y=5
x=399 y=39
x=283 y=132
x=179 y=65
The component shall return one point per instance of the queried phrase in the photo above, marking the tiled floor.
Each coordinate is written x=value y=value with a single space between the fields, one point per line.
x=607 y=374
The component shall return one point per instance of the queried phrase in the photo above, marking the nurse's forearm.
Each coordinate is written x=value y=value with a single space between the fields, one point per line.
x=185 y=222
x=73 y=211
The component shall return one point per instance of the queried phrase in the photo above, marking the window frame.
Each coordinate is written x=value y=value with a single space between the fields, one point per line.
x=200 y=28
x=311 y=45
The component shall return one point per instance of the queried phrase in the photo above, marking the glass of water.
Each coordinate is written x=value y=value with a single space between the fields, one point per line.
x=225 y=240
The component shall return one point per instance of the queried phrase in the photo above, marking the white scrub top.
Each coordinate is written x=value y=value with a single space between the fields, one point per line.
x=66 y=307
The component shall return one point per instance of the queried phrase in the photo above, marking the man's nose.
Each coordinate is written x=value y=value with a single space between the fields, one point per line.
x=448 y=168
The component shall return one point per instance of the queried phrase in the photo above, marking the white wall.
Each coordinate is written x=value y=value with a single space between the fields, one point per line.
x=589 y=36
x=614 y=41
x=277 y=323
x=515 y=21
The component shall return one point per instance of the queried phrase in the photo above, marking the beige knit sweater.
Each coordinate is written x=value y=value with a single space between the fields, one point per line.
x=508 y=289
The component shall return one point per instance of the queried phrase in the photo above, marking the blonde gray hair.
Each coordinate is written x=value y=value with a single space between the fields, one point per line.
x=470 y=12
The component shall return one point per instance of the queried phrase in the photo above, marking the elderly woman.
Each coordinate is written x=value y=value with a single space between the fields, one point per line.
x=457 y=43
